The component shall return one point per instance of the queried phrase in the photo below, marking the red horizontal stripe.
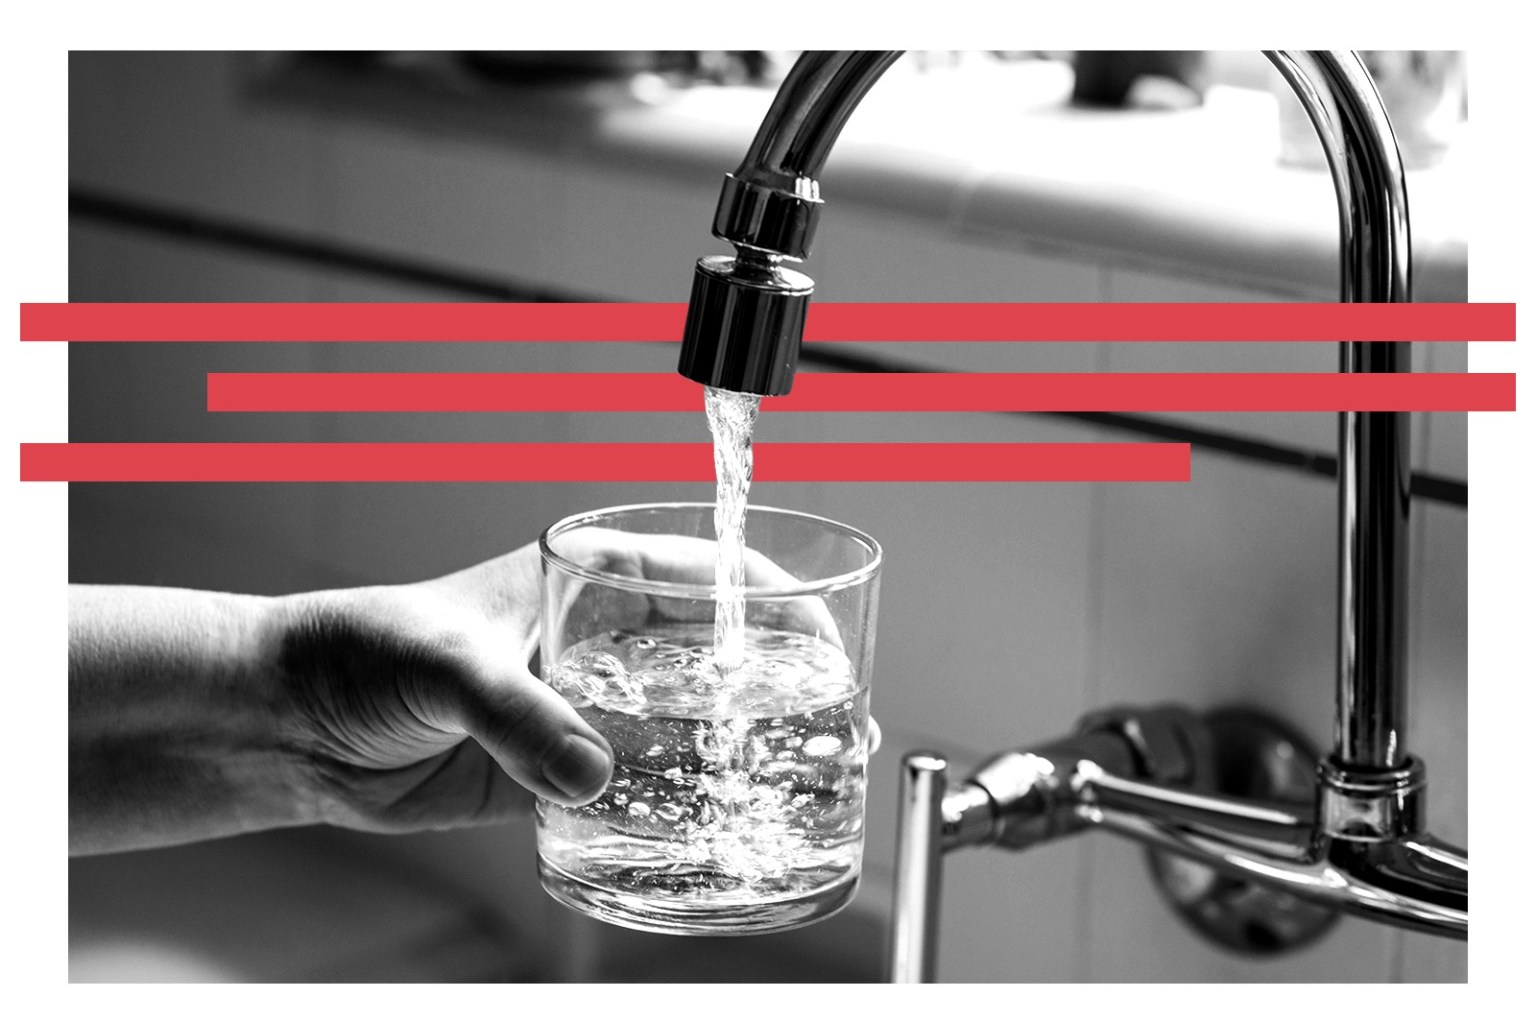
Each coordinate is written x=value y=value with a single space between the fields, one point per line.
x=479 y=462
x=868 y=392
x=847 y=322
x=351 y=322
x=883 y=462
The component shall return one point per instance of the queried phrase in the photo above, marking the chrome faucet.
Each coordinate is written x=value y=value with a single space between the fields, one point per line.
x=1358 y=842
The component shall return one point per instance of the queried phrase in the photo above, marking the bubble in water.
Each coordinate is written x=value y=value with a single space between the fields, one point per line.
x=823 y=746
x=600 y=663
x=729 y=797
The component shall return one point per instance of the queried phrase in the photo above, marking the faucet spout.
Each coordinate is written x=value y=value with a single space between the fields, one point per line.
x=772 y=201
x=746 y=314
x=1367 y=850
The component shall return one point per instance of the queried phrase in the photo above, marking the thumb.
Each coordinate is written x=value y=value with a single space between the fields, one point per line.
x=537 y=737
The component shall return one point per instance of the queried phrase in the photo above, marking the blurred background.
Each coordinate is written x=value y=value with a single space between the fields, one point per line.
x=1007 y=611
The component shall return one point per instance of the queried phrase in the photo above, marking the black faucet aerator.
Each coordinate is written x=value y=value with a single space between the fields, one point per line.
x=746 y=316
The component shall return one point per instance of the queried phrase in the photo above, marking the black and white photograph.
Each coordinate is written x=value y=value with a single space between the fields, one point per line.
x=768 y=516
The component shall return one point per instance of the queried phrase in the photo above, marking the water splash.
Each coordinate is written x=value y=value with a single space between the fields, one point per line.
x=748 y=792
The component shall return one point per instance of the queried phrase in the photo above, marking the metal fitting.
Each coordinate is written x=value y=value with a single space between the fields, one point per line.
x=745 y=319
x=1161 y=740
x=1370 y=805
x=767 y=218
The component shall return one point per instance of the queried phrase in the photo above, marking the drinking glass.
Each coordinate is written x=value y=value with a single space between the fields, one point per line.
x=737 y=799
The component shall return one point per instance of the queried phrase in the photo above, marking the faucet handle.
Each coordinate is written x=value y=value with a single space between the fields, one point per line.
x=914 y=933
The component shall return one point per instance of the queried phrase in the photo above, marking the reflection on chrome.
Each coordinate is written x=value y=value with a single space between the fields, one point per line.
x=1022 y=798
x=1361 y=846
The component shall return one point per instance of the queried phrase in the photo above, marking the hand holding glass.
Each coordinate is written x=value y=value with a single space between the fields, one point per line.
x=737 y=800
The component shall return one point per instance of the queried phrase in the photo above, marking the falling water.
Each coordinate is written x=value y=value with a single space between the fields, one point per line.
x=738 y=772
x=731 y=416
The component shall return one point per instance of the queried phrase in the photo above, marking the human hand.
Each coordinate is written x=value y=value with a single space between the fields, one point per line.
x=416 y=707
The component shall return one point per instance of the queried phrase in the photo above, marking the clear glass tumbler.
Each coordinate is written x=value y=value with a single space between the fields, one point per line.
x=737 y=799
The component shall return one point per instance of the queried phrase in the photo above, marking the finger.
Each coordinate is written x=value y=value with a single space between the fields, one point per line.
x=606 y=552
x=874 y=737
x=680 y=559
x=536 y=736
x=806 y=613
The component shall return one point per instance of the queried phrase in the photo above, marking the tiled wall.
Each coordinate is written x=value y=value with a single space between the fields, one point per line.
x=1007 y=611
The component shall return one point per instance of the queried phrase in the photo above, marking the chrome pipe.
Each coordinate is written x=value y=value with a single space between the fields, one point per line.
x=1040 y=795
x=1347 y=113
x=914 y=932
x=1422 y=868
x=772 y=201
x=808 y=113
x=1410 y=882
x=1386 y=870
x=1282 y=826
x=1409 y=900
x=1374 y=467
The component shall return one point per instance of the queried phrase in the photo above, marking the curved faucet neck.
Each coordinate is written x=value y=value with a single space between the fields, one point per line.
x=771 y=203
x=769 y=209
x=1351 y=122
x=823 y=89
x=808 y=113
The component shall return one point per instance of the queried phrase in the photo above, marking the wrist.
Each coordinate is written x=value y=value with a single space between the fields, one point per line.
x=263 y=756
x=181 y=724
x=286 y=624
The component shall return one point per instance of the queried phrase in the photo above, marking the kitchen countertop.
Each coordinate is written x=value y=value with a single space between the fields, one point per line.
x=994 y=152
